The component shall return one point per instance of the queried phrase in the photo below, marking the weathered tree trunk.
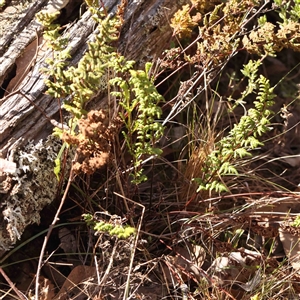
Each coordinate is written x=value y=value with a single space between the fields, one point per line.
x=25 y=110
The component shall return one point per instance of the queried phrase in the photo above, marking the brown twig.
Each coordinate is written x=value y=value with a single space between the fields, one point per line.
x=19 y=294
x=55 y=219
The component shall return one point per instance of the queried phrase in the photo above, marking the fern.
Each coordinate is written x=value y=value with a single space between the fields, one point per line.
x=243 y=137
x=134 y=89
x=144 y=104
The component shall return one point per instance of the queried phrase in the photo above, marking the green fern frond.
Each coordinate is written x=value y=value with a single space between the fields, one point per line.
x=244 y=136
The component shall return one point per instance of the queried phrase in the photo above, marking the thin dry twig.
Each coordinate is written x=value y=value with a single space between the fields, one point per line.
x=134 y=245
x=19 y=294
x=55 y=219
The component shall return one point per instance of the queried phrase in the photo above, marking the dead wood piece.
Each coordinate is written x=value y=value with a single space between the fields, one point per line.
x=18 y=34
x=25 y=113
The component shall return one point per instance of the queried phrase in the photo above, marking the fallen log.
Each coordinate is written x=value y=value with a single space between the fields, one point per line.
x=26 y=111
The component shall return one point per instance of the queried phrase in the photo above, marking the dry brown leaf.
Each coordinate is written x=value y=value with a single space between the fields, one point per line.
x=77 y=276
x=22 y=66
x=237 y=266
x=46 y=290
x=33 y=52
x=186 y=261
x=291 y=247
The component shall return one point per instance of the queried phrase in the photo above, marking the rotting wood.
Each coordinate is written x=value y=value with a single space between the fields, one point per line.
x=143 y=38
x=26 y=113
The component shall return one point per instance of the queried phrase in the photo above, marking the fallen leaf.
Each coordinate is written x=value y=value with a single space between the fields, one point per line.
x=77 y=276
x=185 y=261
x=291 y=246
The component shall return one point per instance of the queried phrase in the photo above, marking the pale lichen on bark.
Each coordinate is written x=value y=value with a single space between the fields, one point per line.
x=12 y=13
x=33 y=186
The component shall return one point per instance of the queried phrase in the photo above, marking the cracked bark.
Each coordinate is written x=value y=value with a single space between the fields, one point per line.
x=26 y=111
x=144 y=35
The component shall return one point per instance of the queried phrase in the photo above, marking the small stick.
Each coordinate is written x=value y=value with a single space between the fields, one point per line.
x=19 y=294
x=47 y=237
